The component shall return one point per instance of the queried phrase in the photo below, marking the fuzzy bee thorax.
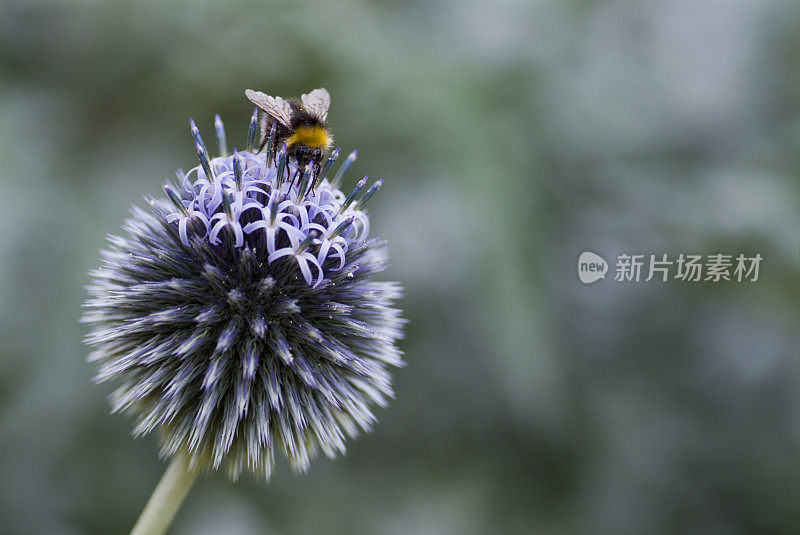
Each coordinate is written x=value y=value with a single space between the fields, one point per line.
x=313 y=136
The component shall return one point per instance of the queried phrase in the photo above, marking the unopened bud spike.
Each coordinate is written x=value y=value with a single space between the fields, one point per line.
x=337 y=179
x=368 y=195
x=251 y=133
x=354 y=193
x=221 y=141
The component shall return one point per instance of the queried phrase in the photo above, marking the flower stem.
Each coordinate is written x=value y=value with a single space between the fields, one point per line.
x=166 y=498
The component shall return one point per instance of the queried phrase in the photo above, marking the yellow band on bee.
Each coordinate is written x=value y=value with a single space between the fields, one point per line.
x=311 y=136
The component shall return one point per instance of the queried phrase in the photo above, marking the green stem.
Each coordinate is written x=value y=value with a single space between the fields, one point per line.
x=166 y=498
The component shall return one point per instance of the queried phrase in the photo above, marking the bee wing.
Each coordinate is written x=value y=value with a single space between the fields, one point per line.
x=317 y=103
x=275 y=107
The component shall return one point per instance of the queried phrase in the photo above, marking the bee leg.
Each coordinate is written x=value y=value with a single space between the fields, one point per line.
x=293 y=176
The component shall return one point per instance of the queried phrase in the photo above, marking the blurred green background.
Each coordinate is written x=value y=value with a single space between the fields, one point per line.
x=511 y=137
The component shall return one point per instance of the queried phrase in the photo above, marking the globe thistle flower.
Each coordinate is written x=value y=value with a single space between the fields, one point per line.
x=241 y=314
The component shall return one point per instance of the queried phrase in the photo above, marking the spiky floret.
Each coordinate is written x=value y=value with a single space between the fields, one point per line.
x=242 y=317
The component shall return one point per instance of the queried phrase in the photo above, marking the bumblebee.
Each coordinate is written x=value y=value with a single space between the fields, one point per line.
x=299 y=123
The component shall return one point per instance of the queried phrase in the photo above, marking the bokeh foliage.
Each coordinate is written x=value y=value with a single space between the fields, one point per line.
x=510 y=137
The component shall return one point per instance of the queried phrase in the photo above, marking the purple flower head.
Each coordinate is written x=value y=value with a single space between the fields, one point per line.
x=241 y=316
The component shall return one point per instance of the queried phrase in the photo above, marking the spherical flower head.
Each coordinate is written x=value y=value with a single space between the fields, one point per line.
x=241 y=316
